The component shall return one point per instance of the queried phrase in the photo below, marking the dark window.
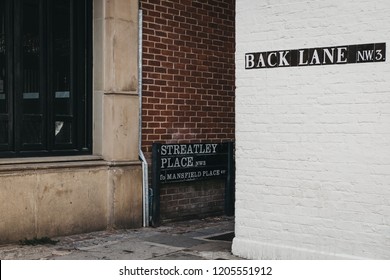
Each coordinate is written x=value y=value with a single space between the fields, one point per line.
x=45 y=77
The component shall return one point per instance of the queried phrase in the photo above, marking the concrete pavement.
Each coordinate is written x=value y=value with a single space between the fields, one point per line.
x=187 y=240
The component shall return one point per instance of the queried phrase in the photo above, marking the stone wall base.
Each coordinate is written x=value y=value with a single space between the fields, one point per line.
x=56 y=198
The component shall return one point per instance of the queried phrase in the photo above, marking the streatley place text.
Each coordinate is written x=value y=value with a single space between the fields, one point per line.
x=190 y=162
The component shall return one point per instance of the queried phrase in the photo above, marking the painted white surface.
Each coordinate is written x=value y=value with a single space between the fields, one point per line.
x=313 y=143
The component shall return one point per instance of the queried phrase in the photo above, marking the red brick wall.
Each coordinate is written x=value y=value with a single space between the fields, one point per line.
x=188 y=71
x=188 y=89
x=192 y=199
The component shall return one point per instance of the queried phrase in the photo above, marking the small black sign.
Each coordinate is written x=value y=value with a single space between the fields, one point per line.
x=175 y=163
x=190 y=162
x=375 y=52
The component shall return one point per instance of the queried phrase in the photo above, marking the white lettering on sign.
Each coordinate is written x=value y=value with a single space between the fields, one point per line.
x=261 y=61
x=366 y=55
x=249 y=61
x=282 y=58
x=341 y=55
x=270 y=59
x=315 y=58
x=188 y=162
x=328 y=54
x=301 y=52
x=374 y=52
x=188 y=149
x=379 y=55
x=177 y=162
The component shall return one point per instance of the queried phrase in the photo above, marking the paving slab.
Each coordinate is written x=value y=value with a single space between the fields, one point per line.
x=184 y=240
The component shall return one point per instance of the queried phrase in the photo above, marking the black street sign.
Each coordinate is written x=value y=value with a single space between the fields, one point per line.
x=373 y=52
x=190 y=162
x=176 y=163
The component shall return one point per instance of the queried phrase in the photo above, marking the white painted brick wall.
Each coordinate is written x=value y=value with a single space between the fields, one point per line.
x=313 y=143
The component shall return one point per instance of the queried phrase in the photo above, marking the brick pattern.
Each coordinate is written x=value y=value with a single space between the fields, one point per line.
x=188 y=71
x=193 y=199
x=313 y=143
